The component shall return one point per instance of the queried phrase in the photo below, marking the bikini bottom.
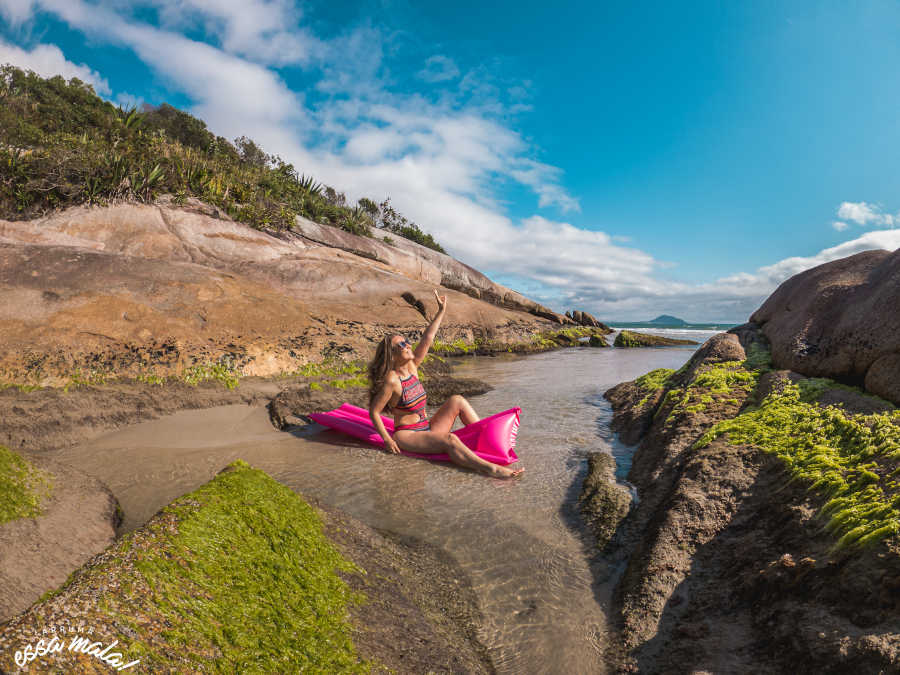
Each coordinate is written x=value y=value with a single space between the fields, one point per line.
x=422 y=425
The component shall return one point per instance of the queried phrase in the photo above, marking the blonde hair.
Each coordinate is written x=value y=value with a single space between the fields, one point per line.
x=380 y=366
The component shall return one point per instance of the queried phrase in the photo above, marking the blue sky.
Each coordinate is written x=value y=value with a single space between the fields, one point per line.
x=629 y=159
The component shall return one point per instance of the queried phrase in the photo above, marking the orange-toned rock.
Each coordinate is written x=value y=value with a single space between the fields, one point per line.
x=139 y=289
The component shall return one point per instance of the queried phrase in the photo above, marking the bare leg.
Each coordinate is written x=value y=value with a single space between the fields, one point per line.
x=433 y=443
x=455 y=406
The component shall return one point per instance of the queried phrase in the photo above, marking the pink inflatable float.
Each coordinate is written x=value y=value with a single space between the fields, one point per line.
x=493 y=438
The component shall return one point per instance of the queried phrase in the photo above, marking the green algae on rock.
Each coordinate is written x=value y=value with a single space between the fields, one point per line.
x=849 y=459
x=603 y=503
x=852 y=460
x=236 y=576
x=22 y=487
x=571 y=336
x=653 y=382
x=627 y=338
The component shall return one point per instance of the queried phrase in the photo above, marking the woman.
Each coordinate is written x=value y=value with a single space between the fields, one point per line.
x=393 y=375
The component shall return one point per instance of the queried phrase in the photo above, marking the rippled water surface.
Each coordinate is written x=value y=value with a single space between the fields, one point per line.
x=520 y=542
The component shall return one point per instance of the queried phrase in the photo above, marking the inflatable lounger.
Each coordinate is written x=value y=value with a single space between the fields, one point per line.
x=493 y=438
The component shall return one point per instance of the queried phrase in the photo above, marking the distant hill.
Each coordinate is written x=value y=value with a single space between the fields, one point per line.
x=666 y=320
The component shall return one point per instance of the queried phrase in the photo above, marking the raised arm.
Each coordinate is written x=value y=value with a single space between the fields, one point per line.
x=377 y=406
x=428 y=338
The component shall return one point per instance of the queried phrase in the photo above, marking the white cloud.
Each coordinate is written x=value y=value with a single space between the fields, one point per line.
x=544 y=180
x=48 y=60
x=266 y=31
x=862 y=213
x=839 y=225
x=637 y=295
x=127 y=101
x=439 y=68
x=17 y=12
x=354 y=139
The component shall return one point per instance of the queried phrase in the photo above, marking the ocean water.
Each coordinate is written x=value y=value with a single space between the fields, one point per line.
x=522 y=543
x=715 y=327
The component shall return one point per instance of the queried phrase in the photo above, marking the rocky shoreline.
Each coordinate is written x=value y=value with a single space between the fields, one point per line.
x=727 y=565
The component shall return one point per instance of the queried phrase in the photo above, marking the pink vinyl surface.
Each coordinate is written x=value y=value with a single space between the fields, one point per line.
x=493 y=438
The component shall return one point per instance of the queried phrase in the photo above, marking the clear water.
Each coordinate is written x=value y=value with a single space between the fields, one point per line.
x=521 y=542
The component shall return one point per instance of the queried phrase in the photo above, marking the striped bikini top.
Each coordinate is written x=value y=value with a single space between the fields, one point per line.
x=413 y=397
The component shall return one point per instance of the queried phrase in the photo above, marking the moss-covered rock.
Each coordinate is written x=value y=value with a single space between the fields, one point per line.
x=23 y=487
x=768 y=512
x=236 y=576
x=627 y=338
x=849 y=459
x=603 y=503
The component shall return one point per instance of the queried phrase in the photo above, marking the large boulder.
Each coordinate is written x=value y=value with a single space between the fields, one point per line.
x=134 y=289
x=588 y=320
x=840 y=320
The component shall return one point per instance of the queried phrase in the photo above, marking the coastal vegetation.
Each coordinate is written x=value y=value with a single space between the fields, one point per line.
x=236 y=576
x=62 y=145
x=23 y=487
x=655 y=379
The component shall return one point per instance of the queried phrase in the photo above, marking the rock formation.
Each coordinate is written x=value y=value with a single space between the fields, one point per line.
x=288 y=606
x=765 y=537
x=134 y=289
x=840 y=320
x=78 y=519
x=728 y=565
x=585 y=319
x=627 y=338
x=426 y=264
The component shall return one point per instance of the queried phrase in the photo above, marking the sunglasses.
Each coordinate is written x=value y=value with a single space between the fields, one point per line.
x=402 y=344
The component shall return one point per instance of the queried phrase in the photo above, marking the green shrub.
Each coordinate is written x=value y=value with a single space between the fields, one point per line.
x=61 y=145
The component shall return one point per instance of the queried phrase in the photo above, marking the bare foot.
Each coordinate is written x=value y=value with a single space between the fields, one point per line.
x=505 y=472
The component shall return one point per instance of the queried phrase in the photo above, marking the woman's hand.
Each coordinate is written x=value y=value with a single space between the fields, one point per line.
x=441 y=301
x=390 y=445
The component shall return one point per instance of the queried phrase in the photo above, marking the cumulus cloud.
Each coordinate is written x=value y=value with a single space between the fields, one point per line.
x=439 y=68
x=266 y=31
x=361 y=133
x=545 y=181
x=863 y=213
x=839 y=225
x=48 y=60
